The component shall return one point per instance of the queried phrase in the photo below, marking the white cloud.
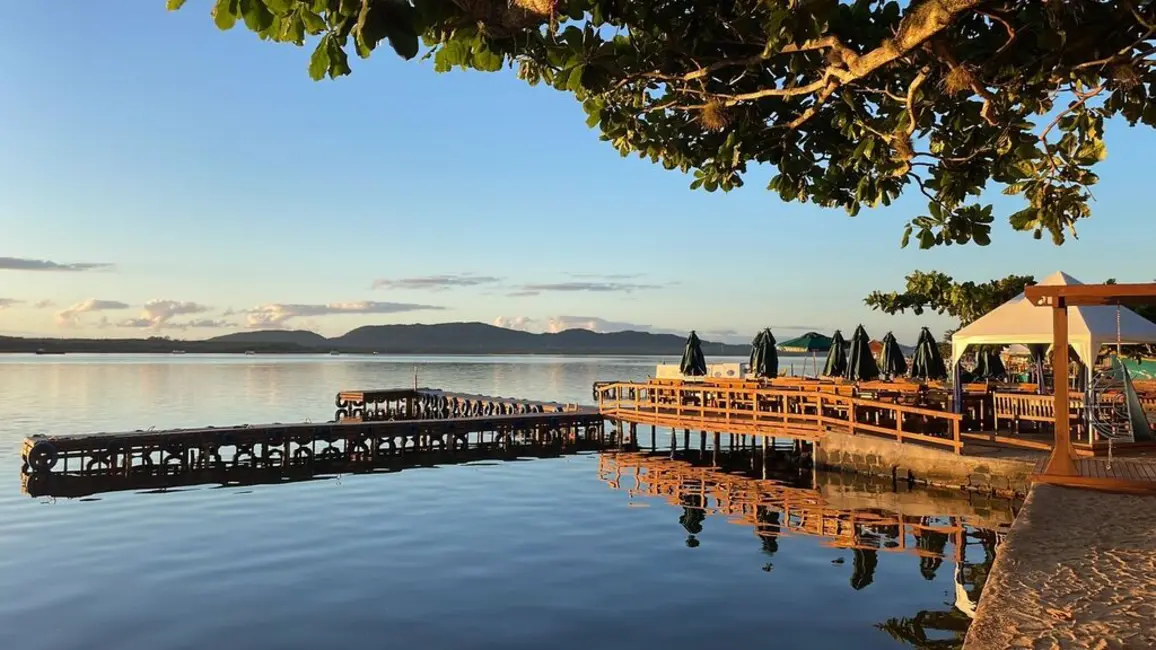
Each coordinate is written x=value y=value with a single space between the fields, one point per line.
x=158 y=314
x=26 y=264
x=43 y=304
x=71 y=317
x=276 y=315
x=526 y=290
x=592 y=323
x=434 y=282
x=523 y=323
x=8 y=302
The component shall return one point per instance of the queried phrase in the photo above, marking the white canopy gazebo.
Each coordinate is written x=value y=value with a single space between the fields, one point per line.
x=1089 y=328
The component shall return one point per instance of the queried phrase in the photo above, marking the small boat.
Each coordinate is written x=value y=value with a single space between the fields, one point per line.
x=178 y=351
x=334 y=353
x=43 y=351
x=249 y=352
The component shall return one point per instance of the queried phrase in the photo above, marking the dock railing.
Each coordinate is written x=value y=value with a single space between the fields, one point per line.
x=806 y=412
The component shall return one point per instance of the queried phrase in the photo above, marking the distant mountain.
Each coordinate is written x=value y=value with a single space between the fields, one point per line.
x=441 y=338
x=481 y=338
x=303 y=338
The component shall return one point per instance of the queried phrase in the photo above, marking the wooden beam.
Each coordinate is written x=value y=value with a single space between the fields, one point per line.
x=1061 y=462
x=1075 y=295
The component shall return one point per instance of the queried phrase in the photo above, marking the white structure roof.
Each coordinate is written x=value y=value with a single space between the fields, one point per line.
x=1089 y=328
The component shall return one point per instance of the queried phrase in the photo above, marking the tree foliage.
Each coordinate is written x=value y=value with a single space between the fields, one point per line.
x=851 y=101
x=938 y=292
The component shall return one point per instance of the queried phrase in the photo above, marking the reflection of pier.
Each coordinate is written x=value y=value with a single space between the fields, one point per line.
x=262 y=473
x=838 y=509
x=441 y=423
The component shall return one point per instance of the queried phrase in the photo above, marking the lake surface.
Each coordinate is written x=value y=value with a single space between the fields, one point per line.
x=610 y=550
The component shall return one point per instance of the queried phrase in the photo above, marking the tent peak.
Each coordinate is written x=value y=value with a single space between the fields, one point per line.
x=1059 y=278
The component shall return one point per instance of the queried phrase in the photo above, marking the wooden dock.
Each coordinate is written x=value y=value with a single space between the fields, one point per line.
x=803 y=411
x=367 y=431
x=433 y=404
x=160 y=478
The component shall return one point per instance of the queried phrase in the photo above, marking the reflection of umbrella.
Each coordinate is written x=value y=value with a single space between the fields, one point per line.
x=693 y=363
x=927 y=362
x=893 y=362
x=860 y=363
x=863 y=571
x=989 y=365
x=764 y=358
x=836 y=357
x=809 y=342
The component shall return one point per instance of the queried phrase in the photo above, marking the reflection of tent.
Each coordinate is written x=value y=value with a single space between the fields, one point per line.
x=809 y=342
x=1019 y=321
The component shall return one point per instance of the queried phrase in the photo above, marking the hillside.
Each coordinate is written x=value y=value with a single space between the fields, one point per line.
x=441 y=338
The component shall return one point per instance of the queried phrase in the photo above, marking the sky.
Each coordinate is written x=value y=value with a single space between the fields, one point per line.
x=159 y=177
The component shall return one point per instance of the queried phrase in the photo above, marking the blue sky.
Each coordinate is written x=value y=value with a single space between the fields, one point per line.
x=227 y=188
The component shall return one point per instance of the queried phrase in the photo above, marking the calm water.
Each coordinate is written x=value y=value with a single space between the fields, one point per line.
x=567 y=552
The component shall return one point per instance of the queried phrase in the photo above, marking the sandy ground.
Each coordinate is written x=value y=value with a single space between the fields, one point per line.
x=1077 y=570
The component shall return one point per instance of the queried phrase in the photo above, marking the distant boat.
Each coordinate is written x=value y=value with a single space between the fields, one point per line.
x=178 y=351
x=250 y=352
x=43 y=351
x=334 y=353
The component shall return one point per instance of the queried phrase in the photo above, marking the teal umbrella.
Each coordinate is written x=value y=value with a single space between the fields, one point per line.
x=809 y=342
x=927 y=362
x=836 y=357
x=861 y=363
x=693 y=363
x=894 y=364
x=764 y=358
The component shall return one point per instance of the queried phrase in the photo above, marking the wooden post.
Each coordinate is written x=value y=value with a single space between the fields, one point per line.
x=1061 y=463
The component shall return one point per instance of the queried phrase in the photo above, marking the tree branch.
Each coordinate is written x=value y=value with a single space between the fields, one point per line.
x=1083 y=98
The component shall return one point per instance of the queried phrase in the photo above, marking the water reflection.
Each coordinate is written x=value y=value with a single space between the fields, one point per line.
x=778 y=501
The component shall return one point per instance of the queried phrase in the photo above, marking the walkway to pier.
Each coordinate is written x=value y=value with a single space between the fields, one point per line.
x=1077 y=570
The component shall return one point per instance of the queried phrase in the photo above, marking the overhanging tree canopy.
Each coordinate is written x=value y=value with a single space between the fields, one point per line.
x=851 y=102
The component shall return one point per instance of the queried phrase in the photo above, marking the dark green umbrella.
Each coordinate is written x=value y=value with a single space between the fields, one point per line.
x=861 y=364
x=927 y=362
x=756 y=349
x=988 y=364
x=836 y=357
x=809 y=342
x=894 y=364
x=764 y=358
x=693 y=363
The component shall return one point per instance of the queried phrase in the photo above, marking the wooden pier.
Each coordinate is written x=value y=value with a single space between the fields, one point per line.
x=443 y=427
x=799 y=410
x=160 y=478
x=433 y=404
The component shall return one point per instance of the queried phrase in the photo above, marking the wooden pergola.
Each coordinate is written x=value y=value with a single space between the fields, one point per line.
x=1062 y=467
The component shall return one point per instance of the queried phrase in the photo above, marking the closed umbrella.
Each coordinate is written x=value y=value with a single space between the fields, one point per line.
x=989 y=365
x=764 y=358
x=836 y=357
x=861 y=364
x=756 y=350
x=927 y=362
x=894 y=364
x=693 y=363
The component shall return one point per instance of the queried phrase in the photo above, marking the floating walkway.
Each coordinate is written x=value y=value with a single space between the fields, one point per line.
x=369 y=425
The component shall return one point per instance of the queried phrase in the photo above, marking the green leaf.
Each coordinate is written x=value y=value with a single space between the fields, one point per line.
x=405 y=44
x=338 y=60
x=225 y=14
x=280 y=7
x=257 y=16
x=350 y=7
x=319 y=62
x=314 y=24
x=1092 y=152
x=487 y=60
x=574 y=83
x=906 y=237
x=173 y=5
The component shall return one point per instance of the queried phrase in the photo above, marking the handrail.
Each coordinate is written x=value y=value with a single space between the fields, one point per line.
x=750 y=408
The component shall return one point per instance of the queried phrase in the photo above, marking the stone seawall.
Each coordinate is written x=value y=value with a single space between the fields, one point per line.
x=981 y=469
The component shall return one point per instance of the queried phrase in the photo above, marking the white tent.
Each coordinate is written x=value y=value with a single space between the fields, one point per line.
x=1019 y=321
